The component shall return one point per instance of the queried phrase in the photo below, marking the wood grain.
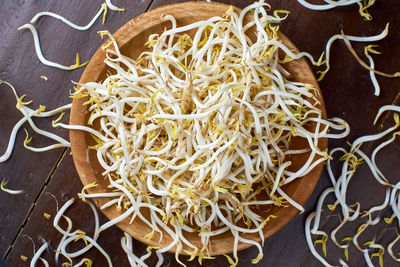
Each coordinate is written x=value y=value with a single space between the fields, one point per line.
x=347 y=91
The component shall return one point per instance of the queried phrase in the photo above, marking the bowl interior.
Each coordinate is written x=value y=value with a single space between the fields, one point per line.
x=131 y=39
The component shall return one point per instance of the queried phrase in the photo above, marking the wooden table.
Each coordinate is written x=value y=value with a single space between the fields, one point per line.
x=347 y=90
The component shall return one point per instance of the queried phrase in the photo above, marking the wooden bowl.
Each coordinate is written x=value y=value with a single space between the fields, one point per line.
x=131 y=38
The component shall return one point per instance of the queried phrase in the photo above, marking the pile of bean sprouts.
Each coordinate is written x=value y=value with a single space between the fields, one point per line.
x=198 y=128
x=351 y=159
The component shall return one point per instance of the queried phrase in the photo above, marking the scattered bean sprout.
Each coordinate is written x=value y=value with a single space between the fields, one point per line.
x=9 y=191
x=38 y=49
x=365 y=65
x=369 y=49
x=103 y=9
x=112 y=7
x=330 y=4
x=38 y=255
x=40 y=54
x=350 y=162
x=28 y=113
x=195 y=130
x=373 y=38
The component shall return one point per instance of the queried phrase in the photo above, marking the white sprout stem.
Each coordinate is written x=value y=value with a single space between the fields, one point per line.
x=11 y=141
x=113 y=7
x=69 y=23
x=310 y=242
x=65 y=235
x=61 y=213
x=38 y=254
x=385 y=108
x=328 y=6
x=372 y=74
x=318 y=211
x=9 y=191
x=126 y=243
x=39 y=49
x=390 y=248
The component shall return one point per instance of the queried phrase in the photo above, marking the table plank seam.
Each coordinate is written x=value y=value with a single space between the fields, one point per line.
x=148 y=7
x=34 y=203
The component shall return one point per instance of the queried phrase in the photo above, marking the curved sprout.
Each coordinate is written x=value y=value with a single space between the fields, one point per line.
x=38 y=49
x=112 y=7
x=390 y=248
x=9 y=191
x=330 y=4
x=385 y=108
x=310 y=242
x=39 y=53
x=69 y=23
x=375 y=83
x=37 y=255
x=126 y=243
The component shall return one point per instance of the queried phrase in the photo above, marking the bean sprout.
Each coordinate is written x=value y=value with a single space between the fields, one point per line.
x=40 y=54
x=329 y=4
x=112 y=7
x=38 y=49
x=68 y=237
x=69 y=23
x=370 y=49
x=9 y=191
x=38 y=254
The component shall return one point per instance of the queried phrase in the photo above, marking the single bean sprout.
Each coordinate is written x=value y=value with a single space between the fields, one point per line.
x=199 y=128
x=369 y=49
x=9 y=191
x=40 y=54
x=112 y=7
x=38 y=49
x=38 y=255
x=365 y=65
x=330 y=4
x=103 y=9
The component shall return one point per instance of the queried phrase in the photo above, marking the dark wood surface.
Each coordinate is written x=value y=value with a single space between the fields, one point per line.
x=347 y=90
